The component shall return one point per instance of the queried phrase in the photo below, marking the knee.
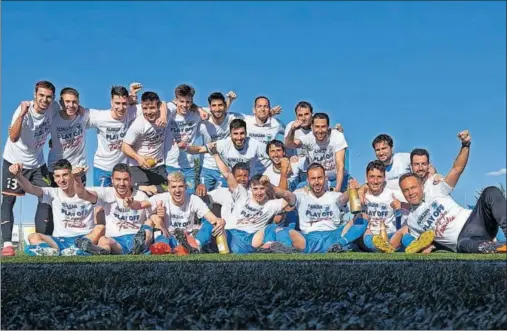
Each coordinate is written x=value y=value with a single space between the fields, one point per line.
x=34 y=237
x=99 y=229
x=149 y=222
x=104 y=241
x=8 y=200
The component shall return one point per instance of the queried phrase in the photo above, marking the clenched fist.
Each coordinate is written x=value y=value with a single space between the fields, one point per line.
x=16 y=169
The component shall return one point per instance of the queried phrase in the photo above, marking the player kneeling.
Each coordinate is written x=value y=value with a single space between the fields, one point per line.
x=74 y=229
x=127 y=229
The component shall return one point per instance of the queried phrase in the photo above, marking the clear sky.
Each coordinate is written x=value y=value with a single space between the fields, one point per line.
x=419 y=71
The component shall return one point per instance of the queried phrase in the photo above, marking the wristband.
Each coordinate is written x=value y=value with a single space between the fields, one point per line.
x=466 y=144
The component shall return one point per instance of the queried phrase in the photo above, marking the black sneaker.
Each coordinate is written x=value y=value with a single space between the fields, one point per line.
x=139 y=242
x=487 y=247
x=183 y=240
x=336 y=248
x=87 y=246
x=279 y=248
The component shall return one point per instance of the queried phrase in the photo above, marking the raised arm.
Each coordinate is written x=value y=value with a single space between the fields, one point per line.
x=340 y=166
x=289 y=197
x=81 y=191
x=15 y=128
x=230 y=97
x=17 y=170
x=461 y=160
x=290 y=141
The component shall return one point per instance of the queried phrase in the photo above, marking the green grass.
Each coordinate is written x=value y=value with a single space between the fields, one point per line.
x=257 y=257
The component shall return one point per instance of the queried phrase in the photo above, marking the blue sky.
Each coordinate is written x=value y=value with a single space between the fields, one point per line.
x=419 y=71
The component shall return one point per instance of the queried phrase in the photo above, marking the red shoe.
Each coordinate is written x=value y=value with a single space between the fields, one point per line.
x=180 y=250
x=187 y=241
x=160 y=249
x=8 y=251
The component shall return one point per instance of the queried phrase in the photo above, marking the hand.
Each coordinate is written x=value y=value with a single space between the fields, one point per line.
x=354 y=184
x=132 y=99
x=395 y=204
x=231 y=95
x=16 y=169
x=275 y=110
x=182 y=145
x=143 y=162
x=25 y=106
x=160 y=209
x=135 y=87
x=297 y=124
x=438 y=178
x=285 y=166
x=265 y=180
x=212 y=147
x=428 y=249
x=465 y=137
x=78 y=172
x=204 y=114
x=362 y=196
x=218 y=227
x=127 y=202
x=339 y=127
x=294 y=159
x=200 y=190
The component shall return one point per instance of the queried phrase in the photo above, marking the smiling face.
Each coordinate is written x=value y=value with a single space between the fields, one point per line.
x=43 y=98
x=217 y=109
x=413 y=190
x=275 y=154
x=316 y=180
x=420 y=165
x=122 y=183
x=119 y=105
x=320 y=129
x=63 y=178
x=384 y=152
x=70 y=104
x=258 y=192
x=305 y=116
x=184 y=103
x=238 y=137
x=150 y=110
x=375 y=180
x=261 y=109
x=177 y=189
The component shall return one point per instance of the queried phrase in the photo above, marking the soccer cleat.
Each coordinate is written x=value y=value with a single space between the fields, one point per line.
x=87 y=246
x=187 y=241
x=139 y=242
x=502 y=249
x=180 y=250
x=160 y=249
x=279 y=248
x=35 y=250
x=487 y=247
x=8 y=251
x=424 y=240
x=382 y=245
x=336 y=248
x=73 y=251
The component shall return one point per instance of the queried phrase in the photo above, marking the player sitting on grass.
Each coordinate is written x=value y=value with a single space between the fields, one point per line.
x=75 y=231
x=319 y=216
x=175 y=214
x=127 y=229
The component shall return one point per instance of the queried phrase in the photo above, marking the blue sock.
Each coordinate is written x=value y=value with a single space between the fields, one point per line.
x=283 y=236
x=270 y=233
x=368 y=242
x=171 y=241
x=205 y=233
x=146 y=227
x=407 y=239
x=44 y=245
x=354 y=232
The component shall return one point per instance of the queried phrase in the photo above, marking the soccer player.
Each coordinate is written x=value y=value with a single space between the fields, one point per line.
x=324 y=146
x=28 y=132
x=276 y=152
x=144 y=144
x=68 y=133
x=261 y=125
x=304 y=112
x=72 y=216
x=128 y=231
x=214 y=129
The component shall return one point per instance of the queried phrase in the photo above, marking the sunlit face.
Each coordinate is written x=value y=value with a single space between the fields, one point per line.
x=70 y=104
x=122 y=183
x=43 y=98
x=217 y=108
x=383 y=152
x=63 y=178
x=119 y=105
x=375 y=179
x=261 y=109
x=258 y=192
x=316 y=179
x=151 y=110
x=183 y=104
x=275 y=154
x=412 y=190
x=238 y=137
x=304 y=115
x=242 y=176
x=177 y=190
x=320 y=129
x=420 y=166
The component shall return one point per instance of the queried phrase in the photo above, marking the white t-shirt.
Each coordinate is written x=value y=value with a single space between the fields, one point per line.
x=180 y=217
x=297 y=135
x=325 y=153
x=379 y=208
x=223 y=197
x=211 y=132
x=439 y=212
x=146 y=139
x=110 y=133
x=248 y=215
x=319 y=214
x=69 y=140
x=72 y=216
x=436 y=189
x=274 y=176
x=181 y=128
x=120 y=220
x=399 y=167
x=35 y=129
x=252 y=151
x=265 y=132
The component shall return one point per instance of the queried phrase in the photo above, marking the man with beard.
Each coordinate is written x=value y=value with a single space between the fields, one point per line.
x=75 y=231
x=127 y=229
x=28 y=131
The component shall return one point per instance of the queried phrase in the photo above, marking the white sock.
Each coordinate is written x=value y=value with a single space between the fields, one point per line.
x=7 y=244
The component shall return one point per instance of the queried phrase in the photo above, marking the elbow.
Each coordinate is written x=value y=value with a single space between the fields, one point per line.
x=13 y=138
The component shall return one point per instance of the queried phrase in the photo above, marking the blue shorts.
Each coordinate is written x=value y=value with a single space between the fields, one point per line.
x=189 y=174
x=321 y=241
x=212 y=179
x=102 y=178
x=126 y=242
x=66 y=242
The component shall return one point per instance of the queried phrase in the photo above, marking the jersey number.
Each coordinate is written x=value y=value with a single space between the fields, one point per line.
x=12 y=183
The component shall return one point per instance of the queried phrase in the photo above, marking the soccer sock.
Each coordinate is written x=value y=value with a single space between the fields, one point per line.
x=44 y=245
x=407 y=240
x=355 y=232
x=7 y=244
x=283 y=237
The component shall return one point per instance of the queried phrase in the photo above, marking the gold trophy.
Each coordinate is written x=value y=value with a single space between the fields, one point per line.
x=354 y=201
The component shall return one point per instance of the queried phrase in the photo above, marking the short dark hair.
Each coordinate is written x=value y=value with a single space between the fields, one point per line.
x=122 y=167
x=408 y=175
x=303 y=104
x=315 y=165
x=45 y=84
x=240 y=166
x=276 y=143
x=216 y=96
x=382 y=138
x=150 y=96
x=119 y=91
x=379 y=165
x=69 y=90
x=321 y=116
x=255 y=180
x=184 y=90
x=62 y=164
x=262 y=97
x=237 y=123
x=419 y=152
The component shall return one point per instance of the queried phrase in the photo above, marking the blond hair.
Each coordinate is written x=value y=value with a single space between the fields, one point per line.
x=176 y=176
